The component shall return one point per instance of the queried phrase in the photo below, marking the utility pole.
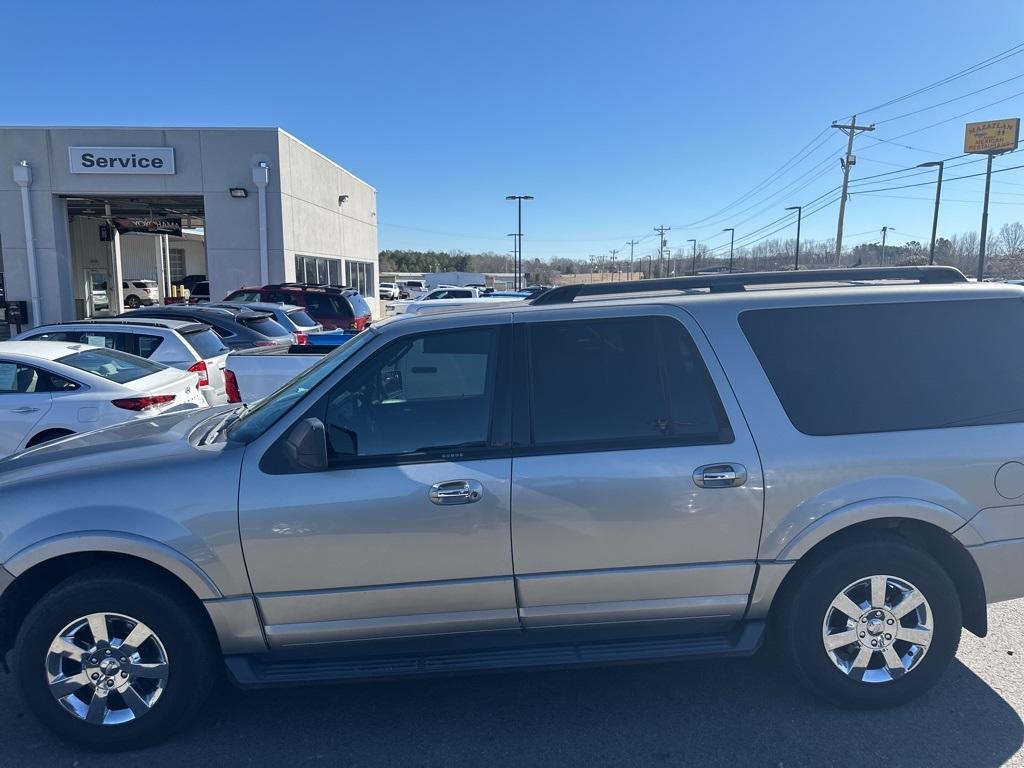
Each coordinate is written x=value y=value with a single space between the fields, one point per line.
x=694 y=270
x=732 y=240
x=940 y=164
x=631 y=243
x=661 y=248
x=885 y=230
x=984 y=221
x=614 y=251
x=850 y=130
x=799 y=214
x=519 y=236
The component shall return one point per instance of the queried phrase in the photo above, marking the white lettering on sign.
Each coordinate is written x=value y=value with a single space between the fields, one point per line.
x=122 y=159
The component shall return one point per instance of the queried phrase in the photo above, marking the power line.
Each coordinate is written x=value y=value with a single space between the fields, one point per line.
x=983 y=64
x=950 y=101
x=962 y=114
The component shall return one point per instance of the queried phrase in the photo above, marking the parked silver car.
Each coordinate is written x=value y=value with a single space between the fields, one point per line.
x=661 y=471
x=185 y=344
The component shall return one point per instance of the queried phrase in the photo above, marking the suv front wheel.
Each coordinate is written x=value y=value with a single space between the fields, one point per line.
x=871 y=625
x=114 y=662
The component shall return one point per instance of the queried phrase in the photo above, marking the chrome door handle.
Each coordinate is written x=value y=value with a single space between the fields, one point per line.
x=456 y=492
x=720 y=475
x=25 y=409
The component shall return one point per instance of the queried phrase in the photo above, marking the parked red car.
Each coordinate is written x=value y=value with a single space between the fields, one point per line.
x=334 y=308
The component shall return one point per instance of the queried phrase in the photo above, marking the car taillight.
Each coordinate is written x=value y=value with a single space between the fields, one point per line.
x=204 y=373
x=231 y=386
x=143 y=403
x=301 y=338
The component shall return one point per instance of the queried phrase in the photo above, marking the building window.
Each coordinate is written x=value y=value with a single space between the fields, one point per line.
x=176 y=257
x=361 y=277
x=316 y=270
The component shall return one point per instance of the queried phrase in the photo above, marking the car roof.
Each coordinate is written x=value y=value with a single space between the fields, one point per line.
x=199 y=310
x=44 y=350
x=762 y=297
x=264 y=306
x=124 y=323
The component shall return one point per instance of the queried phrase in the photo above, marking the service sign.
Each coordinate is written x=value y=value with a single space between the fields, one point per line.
x=992 y=136
x=137 y=160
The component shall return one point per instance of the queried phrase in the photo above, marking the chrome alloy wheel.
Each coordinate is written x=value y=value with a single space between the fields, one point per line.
x=106 y=668
x=877 y=629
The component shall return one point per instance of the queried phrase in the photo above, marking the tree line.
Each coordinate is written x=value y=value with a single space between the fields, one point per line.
x=1004 y=258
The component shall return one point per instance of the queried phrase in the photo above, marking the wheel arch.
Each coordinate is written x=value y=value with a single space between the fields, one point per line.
x=51 y=433
x=932 y=538
x=30 y=583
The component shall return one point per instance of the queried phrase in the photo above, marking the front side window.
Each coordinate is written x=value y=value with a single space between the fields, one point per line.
x=428 y=395
x=620 y=383
x=860 y=368
x=21 y=379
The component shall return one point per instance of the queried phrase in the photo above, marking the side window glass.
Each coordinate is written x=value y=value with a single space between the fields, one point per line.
x=21 y=379
x=147 y=345
x=647 y=366
x=281 y=297
x=420 y=395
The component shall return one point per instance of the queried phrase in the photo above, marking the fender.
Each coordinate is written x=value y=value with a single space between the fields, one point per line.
x=871 y=509
x=121 y=543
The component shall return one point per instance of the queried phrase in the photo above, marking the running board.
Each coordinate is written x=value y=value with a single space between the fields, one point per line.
x=264 y=671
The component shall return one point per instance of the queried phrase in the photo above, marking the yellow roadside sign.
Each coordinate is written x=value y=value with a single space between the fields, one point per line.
x=992 y=136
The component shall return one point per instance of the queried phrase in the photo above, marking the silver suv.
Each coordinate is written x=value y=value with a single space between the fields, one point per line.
x=614 y=472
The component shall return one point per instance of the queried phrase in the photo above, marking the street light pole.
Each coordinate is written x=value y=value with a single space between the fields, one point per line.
x=732 y=240
x=940 y=164
x=691 y=240
x=519 y=234
x=799 y=215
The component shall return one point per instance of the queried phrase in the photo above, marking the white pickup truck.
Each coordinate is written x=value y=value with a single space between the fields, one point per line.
x=260 y=372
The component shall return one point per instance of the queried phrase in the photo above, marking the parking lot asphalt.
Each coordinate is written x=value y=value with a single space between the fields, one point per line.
x=745 y=712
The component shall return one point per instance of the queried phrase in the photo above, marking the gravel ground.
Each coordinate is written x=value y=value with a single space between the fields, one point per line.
x=730 y=713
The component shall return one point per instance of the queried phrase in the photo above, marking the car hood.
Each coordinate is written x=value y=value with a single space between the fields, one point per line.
x=166 y=433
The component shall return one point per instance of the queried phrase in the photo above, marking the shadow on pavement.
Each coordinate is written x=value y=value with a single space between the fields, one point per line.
x=728 y=713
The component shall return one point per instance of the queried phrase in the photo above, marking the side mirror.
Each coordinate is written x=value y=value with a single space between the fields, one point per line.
x=306 y=445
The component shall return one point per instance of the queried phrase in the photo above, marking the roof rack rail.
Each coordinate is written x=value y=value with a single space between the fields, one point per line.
x=736 y=282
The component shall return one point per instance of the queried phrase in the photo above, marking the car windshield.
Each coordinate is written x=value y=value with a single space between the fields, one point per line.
x=260 y=417
x=112 y=365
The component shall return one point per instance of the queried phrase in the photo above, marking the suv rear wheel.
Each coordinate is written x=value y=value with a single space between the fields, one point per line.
x=874 y=624
x=114 y=662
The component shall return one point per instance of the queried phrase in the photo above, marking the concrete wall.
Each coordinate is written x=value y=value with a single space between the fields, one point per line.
x=315 y=223
x=303 y=212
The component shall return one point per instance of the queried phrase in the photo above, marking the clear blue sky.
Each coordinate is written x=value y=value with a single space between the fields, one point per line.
x=616 y=116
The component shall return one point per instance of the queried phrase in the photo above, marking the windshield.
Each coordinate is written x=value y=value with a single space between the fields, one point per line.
x=112 y=365
x=260 y=417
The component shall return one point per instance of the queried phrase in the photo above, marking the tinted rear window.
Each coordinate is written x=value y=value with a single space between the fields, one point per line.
x=883 y=367
x=206 y=343
x=267 y=326
x=144 y=284
x=301 y=318
x=326 y=304
x=112 y=365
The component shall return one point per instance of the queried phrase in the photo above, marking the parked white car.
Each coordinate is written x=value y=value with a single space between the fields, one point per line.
x=388 y=291
x=51 y=389
x=441 y=292
x=140 y=293
x=185 y=344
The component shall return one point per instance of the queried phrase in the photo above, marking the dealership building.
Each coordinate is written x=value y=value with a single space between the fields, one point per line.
x=84 y=212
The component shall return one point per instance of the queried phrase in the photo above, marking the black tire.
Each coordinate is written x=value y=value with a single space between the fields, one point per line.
x=802 y=614
x=47 y=436
x=163 y=607
x=132 y=302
